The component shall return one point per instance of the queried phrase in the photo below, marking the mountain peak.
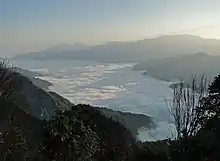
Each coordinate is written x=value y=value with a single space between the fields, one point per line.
x=168 y=38
x=63 y=47
x=201 y=54
x=180 y=37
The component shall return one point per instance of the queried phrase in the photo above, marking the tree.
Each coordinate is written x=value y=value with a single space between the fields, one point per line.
x=184 y=107
x=13 y=145
x=6 y=78
x=13 y=142
x=209 y=106
x=67 y=139
x=203 y=142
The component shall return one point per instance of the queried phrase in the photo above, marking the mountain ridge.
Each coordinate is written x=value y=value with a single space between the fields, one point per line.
x=62 y=47
x=161 y=47
x=182 y=67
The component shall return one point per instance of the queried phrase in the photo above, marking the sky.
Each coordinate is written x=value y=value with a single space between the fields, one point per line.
x=32 y=25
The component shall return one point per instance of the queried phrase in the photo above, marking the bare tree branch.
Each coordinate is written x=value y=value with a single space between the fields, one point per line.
x=183 y=107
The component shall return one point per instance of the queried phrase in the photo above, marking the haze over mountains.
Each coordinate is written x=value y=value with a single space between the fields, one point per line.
x=161 y=47
x=64 y=47
x=181 y=67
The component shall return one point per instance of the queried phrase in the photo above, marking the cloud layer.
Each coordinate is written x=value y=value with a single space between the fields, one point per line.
x=114 y=86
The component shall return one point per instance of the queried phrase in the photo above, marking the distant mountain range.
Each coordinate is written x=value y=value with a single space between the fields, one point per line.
x=161 y=47
x=181 y=67
x=64 y=47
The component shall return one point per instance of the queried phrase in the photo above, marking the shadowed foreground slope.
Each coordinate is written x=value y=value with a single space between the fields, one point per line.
x=27 y=118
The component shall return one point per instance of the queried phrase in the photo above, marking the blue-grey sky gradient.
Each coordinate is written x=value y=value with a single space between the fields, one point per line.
x=31 y=25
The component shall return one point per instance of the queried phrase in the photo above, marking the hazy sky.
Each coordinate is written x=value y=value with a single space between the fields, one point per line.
x=31 y=25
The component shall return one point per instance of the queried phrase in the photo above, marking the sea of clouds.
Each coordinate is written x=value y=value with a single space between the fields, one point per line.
x=114 y=86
